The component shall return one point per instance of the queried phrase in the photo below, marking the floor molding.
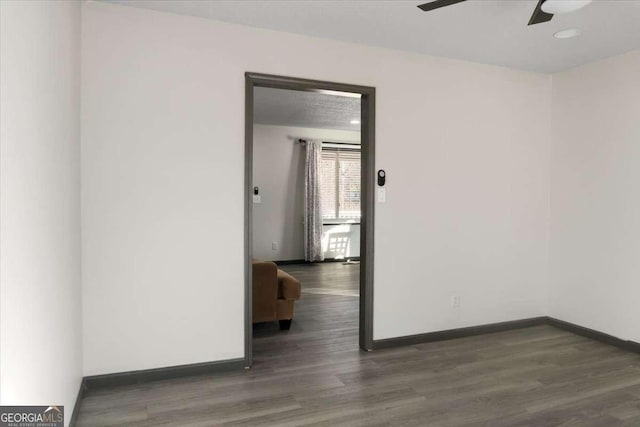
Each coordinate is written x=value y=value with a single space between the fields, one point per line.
x=136 y=377
x=76 y=408
x=594 y=335
x=507 y=326
x=458 y=333
x=291 y=262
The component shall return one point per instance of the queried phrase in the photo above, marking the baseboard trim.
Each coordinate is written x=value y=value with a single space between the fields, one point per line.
x=147 y=375
x=594 y=335
x=76 y=408
x=291 y=262
x=458 y=333
x=507 y=326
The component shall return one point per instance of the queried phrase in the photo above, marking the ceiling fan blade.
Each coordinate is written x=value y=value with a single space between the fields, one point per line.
x=538 y=15
x=436 y=4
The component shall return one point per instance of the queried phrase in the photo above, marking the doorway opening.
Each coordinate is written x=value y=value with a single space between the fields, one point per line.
x=309 y=206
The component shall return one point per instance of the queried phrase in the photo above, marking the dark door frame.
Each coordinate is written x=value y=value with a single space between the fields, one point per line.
x=368 y=176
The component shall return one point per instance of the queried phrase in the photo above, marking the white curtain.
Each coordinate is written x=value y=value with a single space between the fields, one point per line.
x=312 y=203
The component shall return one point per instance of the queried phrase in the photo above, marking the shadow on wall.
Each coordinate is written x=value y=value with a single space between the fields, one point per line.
x=341 y=241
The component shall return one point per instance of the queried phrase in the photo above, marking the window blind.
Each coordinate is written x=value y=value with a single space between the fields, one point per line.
x=340 y=184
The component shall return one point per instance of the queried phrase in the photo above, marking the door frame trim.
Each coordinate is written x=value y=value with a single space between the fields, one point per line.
x=368 y=177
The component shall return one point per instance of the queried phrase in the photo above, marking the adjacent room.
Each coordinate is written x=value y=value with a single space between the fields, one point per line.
x=351 y=213
x=305 y=221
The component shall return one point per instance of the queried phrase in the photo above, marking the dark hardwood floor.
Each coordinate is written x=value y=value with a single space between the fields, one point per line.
x=315 y=374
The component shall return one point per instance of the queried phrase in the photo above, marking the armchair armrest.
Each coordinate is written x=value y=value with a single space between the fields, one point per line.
x=288 y=286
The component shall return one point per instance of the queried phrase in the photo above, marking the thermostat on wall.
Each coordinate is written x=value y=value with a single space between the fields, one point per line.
x=382 y=177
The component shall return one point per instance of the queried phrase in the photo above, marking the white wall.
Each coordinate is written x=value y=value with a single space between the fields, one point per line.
x=595 y=228
x=40 y=315
x=278 y=169
x=466 y=148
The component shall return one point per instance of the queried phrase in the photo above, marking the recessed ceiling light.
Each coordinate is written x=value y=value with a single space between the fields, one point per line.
x=567 y=34
x=558 y=7
x=355 y=122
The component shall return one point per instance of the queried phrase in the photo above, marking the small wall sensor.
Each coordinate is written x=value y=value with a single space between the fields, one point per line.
x=382 y=177
x=256 y=190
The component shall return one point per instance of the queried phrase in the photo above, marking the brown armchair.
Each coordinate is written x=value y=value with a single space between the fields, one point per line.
x=274 y=293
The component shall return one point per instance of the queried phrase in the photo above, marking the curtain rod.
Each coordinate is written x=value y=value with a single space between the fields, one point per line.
x=344 y=142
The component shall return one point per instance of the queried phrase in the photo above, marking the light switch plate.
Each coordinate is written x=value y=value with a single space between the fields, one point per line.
x=382 y=195
x=256 y=199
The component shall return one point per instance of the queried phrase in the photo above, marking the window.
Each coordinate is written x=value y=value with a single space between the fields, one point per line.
x=340 y=184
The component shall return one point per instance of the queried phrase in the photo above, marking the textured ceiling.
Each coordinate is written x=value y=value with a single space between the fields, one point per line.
x=485 y=31
x=305 y=109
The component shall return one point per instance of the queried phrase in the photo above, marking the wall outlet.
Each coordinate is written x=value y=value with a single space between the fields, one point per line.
x=274 y=246
x=455 y=301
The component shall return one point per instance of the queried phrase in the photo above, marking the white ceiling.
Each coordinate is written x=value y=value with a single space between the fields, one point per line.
x=305 y=109
x=485 y=31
